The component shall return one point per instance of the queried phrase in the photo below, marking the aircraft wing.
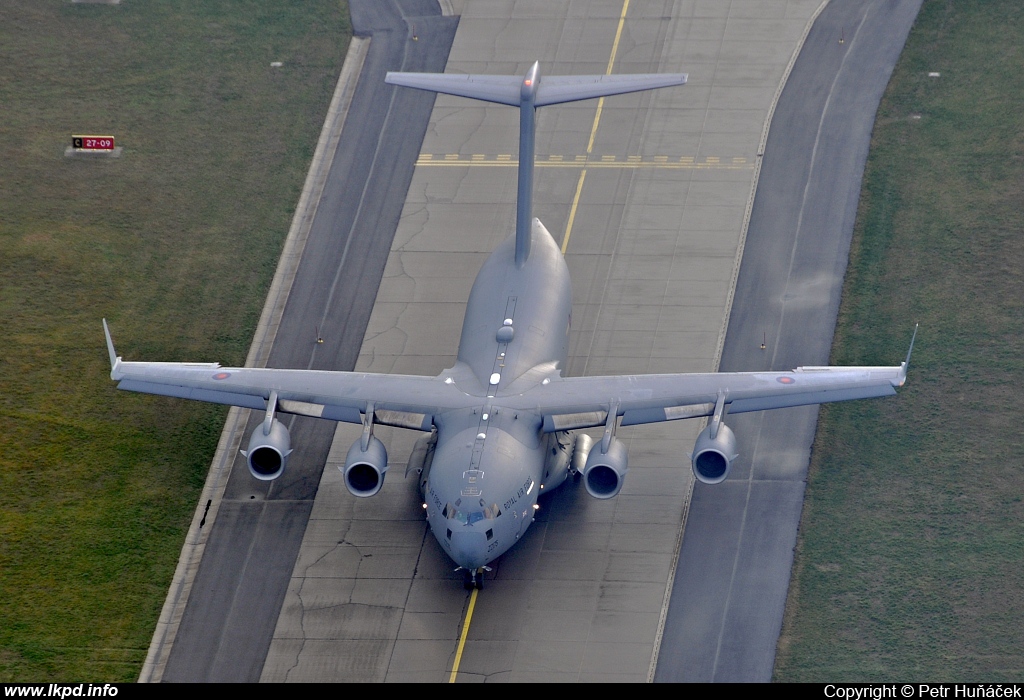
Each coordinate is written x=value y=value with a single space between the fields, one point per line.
x=585 y=402
x=410 y=401
x=405 y=401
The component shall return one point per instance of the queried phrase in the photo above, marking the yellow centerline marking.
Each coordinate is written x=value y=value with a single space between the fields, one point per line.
x=462 y=638
x=606 y=162
x=565 y=242
x=593 y=130
x=572 y=211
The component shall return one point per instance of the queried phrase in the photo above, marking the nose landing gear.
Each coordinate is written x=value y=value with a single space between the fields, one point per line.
x=470 y=579
x=473 y=578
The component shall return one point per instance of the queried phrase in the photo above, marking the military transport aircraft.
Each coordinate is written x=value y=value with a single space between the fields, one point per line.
x=498 y=424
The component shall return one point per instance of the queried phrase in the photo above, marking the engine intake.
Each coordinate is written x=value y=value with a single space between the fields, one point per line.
x=268 y=454
x=604 y=472
x=364 y=471
x=713 y=457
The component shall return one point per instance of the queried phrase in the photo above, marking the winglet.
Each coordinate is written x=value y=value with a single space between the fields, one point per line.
x=115 y=361
x=906 y=363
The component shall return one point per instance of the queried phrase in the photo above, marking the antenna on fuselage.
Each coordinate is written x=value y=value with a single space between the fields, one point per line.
x=528 y=93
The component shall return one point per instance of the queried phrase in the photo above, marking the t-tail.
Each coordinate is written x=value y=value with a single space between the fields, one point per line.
x=528 y=93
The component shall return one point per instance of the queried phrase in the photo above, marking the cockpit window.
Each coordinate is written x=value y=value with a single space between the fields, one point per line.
x=468 y=517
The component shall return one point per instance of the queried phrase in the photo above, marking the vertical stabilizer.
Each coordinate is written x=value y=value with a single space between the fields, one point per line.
x=528 y=93
x=527 y=132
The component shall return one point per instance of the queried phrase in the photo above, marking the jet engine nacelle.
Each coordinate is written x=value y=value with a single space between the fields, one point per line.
x=267 y=454
x=364 y=470
x=605 y=471
x=713 y=457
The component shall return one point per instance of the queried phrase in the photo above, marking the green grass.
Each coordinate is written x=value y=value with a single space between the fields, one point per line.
x=910 y=560
x=175 y=243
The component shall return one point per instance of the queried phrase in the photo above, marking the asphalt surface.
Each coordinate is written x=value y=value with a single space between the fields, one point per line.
x=652 y=259
x=726 y=610
x=227 y=625
x=581 y=598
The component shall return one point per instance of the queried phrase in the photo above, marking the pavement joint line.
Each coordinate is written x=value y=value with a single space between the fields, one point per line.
x=263 y=340
x=728 y=313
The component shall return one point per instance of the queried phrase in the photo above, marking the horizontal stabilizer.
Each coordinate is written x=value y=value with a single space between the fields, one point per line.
x=551 y=89
x=555 y=89
x=528 y=92
x=503 y=89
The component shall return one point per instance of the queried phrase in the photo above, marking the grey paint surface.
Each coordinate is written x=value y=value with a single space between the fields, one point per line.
x=726 y=609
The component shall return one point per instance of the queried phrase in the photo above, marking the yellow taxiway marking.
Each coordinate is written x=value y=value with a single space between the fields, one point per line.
x=565 y=242
x=572 y=210
x=684 y=162
x=462 y=637
x=593 y=130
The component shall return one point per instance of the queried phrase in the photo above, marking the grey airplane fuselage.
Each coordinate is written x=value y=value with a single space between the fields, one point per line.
x=489 y=462
x=499 y=418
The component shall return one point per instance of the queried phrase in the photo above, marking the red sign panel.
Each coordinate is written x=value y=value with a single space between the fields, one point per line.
x=93 y=143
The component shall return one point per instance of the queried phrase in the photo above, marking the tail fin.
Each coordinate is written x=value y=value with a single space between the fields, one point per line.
x=528 y=93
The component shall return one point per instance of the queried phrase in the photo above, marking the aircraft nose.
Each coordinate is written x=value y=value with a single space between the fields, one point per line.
x=469 y=548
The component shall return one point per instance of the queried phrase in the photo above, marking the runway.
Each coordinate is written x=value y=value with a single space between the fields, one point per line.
x=651 y=194
x=653 y=251
x=220 y=627
x=787 y=296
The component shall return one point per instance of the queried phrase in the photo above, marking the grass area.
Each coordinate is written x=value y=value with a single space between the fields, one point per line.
x=175 y=243
x=911 y=554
